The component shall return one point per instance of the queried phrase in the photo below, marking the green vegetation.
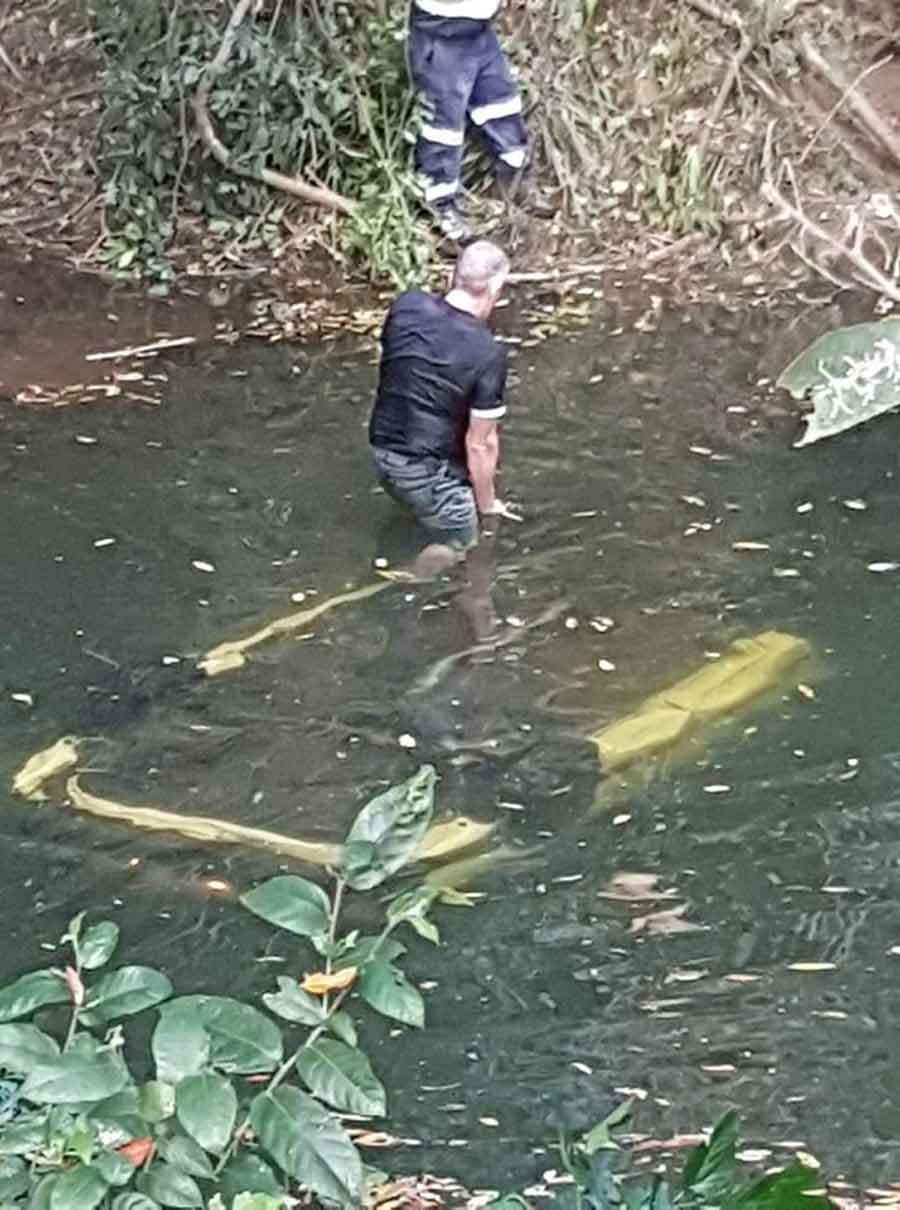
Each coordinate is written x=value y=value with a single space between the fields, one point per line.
x=232 y=1107
x=708 y=1181
x=315 y=91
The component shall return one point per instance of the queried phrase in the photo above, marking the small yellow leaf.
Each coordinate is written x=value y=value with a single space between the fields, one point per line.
x=321 y=983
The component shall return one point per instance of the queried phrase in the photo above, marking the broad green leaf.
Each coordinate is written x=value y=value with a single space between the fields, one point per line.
x=387 y=990
x=710 y=1169
x=42 y=1193
x=31 y=992
x=248 y=1173
x=509 y=1201
x=187 y=1155
x=170 y=1187
x=242 y=1040
x=14 y=1177
x=120 y=1113
x=21 y=1138
x=853 y=375
x=23 y=1047
x=180 y=1043
x=600 y=1138
x=342 y=1076
x=134 y=1201
x=292 y=1003
x=206 y=1106
x=652 y=1193
x=425 y=928
x=73 y=930
x=308 y=1143
x=98 y=945
x=126 y=991
x=74 y=1078
x=412 y=908
x=367 y=949
x=156 y=1099
x=82 y=1188
x=81 y=1139
x=341 y=1025
x=291 y=903
x=257 y=1201
x=114 y=1168
x=387 y=831
x=785 y=1190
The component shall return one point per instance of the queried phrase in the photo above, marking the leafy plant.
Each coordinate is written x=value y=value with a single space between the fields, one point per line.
x=315 y=89
x=229 y=1113
x=852 y=375
x=709 y=1181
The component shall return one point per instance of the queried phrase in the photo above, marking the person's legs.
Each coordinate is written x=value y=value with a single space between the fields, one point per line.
x=495 y=107
x=442 y=502
x=443 y=70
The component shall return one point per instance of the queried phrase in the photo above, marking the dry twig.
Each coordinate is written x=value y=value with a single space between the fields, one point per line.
x=865 y=113
x=874 y=278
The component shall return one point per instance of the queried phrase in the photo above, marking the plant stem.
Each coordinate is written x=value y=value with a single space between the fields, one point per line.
x=282 y=1072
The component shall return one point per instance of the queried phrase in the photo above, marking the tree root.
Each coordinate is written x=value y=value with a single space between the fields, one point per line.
x=315 y=194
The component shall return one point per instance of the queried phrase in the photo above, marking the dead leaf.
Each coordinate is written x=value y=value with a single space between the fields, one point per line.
x=666 y=923
x=685 y=976
x=321 y=983
x=630 y=887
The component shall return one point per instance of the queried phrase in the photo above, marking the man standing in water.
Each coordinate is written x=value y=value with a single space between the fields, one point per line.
x=458 y=66
x=434 y=427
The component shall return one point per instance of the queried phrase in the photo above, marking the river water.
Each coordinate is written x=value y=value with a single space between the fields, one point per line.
x=640 y=457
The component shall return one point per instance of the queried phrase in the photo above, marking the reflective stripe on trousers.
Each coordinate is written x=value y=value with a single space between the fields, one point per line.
x=460 y=79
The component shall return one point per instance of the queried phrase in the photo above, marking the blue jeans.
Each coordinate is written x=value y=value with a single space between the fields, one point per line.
x=437 y=493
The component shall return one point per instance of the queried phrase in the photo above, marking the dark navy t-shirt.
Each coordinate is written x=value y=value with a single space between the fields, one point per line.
x=439 y=367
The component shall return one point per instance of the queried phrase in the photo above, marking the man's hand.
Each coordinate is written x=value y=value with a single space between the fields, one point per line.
x=501 y=509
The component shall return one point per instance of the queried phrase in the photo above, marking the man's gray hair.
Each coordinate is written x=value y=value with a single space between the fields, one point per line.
x=482 y=268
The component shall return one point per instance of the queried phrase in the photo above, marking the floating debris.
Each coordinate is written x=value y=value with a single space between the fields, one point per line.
x=230 y=655
x=750 y=668
x=48 y=763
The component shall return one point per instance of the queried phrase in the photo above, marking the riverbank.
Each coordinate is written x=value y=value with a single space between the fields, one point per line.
x=701 y=137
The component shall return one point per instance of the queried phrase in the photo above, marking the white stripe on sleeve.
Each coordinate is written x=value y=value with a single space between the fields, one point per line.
x=488 y=413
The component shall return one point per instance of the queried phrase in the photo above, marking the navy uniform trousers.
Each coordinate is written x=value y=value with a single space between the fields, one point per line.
x=462 y=77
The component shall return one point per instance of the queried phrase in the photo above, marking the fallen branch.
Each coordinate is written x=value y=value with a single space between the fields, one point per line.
x=141 y=350
x=734 y=69
x=862 y=110
x=10 y=66
x=875 y=278
x=724 y=16
x=318 y=196
x=679 y=245
x=519 y=279
x=840 y=102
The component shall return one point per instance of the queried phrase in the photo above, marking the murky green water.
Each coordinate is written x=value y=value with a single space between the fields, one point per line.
x=257 y=465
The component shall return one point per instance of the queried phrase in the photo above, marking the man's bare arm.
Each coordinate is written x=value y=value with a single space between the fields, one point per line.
x=482 y=454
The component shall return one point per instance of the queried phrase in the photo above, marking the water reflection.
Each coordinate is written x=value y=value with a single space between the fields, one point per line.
x=641 y=459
